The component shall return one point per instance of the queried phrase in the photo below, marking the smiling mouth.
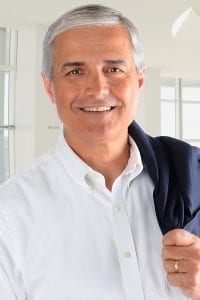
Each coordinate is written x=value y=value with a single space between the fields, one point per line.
x=97 y=109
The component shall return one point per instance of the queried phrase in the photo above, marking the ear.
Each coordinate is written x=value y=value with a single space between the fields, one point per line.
x=48 y=85
x=141 y=76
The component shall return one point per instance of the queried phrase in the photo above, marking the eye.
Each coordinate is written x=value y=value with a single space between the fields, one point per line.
x=114 y=70
x=74 y=72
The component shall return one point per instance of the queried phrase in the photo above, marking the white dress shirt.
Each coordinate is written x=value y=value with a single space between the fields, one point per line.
x=65 y=236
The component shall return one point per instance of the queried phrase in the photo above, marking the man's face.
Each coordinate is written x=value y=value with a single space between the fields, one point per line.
x=95 y=84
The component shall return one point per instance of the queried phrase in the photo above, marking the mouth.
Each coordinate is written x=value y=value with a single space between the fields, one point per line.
x=97 y=109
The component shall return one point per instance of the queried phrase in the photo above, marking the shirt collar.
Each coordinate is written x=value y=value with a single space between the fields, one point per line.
x=80 y=170
x=135 y=165
x=72 y=162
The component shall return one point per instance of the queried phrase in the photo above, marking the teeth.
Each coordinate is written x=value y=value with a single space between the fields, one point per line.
x=102 y=108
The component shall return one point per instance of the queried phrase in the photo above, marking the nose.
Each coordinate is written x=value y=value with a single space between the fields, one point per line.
x=97 y=84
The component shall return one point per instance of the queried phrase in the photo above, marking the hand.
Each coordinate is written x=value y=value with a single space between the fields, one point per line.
x=181 y=260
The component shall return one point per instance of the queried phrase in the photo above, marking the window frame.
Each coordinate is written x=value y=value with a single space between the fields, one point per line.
x=179 y=102
x=10 y=66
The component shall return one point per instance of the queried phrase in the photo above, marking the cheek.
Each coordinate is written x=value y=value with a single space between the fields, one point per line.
x=64 y=96
x=62 y=89
x=128 y=93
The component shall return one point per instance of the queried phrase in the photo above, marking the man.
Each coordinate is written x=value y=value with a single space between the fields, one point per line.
x=87 y=219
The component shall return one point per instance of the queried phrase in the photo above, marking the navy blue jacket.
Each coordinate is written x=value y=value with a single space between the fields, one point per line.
x=174 y=167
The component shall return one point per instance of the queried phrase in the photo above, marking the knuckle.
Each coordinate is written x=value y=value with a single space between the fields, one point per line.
x=170 y=279
x=164 y=252
x=166 y=265
x=176 y=232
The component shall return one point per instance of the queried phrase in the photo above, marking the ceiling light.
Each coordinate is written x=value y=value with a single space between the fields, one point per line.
x=185 y=29
x=180 y=20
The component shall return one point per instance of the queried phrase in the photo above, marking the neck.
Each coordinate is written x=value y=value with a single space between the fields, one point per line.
x=108 y=158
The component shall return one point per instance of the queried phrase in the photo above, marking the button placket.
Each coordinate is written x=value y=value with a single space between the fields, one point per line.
x=117 y=207
x=126 y=248
x=127 y=254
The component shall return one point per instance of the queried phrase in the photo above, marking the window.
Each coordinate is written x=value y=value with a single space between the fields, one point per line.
x=190 y=107
x=168 y=107
x=7 y=76
x=180 y=109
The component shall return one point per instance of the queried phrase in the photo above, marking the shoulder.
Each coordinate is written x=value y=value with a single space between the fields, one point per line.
x=162 y=144
x=174 y=142
x=25 y=198
x=176 y=149
x=29 y=180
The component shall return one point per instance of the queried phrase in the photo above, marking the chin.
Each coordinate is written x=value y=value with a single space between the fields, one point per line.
x=103 y=137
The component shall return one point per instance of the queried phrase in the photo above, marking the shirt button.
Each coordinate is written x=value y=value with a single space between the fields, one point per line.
x=127 y=254
x=117 y=207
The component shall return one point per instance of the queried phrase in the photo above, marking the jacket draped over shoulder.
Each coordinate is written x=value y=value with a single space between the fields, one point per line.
x=174 y=167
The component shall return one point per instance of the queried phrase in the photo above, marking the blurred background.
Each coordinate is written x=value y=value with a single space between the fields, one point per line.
x=170 y=100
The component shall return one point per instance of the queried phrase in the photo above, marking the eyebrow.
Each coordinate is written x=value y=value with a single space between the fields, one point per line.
x=115 y=62
x=80 y=63
x=72 y=64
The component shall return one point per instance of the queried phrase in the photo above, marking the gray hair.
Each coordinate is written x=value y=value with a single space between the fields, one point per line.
x=89 y=15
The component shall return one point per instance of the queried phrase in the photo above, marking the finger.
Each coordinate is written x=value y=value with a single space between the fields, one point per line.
x=190 y=253
x=183 y=266
x=178 y=279
x=188 y=280
x=176 y=252
x=179 y=237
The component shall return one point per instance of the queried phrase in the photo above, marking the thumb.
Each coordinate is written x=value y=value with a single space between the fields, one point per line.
x=179 y=237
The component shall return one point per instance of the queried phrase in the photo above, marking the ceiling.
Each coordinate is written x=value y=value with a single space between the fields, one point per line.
x=154 y=20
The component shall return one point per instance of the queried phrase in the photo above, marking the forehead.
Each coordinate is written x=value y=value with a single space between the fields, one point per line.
x=93 y=40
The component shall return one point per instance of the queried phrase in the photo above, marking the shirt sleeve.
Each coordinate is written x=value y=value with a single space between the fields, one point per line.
x=11 y=285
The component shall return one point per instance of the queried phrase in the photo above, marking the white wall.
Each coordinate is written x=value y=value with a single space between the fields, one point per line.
x=148 y=115
x=37 y=125
x=25 y=97
x=47 y=124
x=152 y=124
